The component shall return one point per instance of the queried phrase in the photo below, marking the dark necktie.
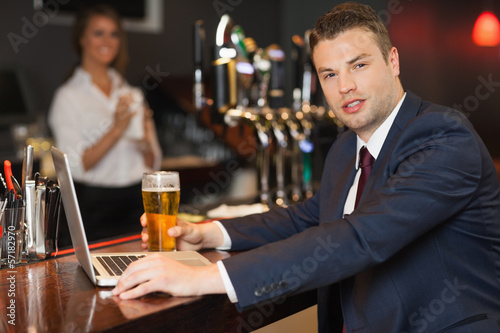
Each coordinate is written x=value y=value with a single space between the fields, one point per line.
x=366 y=161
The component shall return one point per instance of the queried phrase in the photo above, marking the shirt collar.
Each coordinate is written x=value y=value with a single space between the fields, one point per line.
x=83 y=76
x=374 y=145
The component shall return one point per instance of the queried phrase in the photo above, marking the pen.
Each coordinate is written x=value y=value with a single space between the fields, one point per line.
x=30 y=198
x=3 y=205
x=16 y=186
x=3 y=185
x=8 y=173
x=27 y=164
x=10 y=199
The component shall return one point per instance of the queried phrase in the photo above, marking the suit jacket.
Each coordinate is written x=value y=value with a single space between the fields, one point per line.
x=421 y=253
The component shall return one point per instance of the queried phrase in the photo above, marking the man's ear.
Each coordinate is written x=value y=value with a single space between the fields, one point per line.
x=394 y=60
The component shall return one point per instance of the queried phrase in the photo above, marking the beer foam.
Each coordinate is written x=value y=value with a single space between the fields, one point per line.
x=162 y=189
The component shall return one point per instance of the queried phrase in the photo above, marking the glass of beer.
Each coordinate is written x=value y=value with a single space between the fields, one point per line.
x=160 y=195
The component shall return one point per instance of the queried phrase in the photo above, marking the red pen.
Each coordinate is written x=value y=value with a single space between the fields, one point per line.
x=8 y=173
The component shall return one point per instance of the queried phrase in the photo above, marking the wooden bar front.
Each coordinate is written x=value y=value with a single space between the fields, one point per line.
x=56 y=296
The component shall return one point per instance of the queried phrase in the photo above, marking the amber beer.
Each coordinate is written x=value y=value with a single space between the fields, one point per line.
x=161 y=203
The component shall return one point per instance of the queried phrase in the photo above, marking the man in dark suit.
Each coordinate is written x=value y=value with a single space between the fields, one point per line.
x=418 y=251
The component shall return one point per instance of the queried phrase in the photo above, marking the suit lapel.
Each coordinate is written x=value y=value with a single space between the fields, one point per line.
x=339 y=175
x=409 y=109
x=345 y=183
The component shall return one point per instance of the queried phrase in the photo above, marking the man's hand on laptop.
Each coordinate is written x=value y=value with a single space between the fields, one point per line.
x=190 y=236
x=158 y=273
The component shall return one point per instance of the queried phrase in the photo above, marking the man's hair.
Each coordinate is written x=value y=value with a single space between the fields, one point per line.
x=349 y=16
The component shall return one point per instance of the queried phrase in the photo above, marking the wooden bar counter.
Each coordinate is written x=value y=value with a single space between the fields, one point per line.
x=55 y=295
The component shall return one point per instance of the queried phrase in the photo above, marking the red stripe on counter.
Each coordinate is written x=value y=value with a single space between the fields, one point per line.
x=101 y=244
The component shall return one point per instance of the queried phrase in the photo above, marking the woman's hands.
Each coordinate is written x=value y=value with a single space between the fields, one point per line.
x=121 y=120
x=123 y=115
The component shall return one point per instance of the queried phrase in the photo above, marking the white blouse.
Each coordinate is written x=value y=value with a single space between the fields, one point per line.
x=81 y=114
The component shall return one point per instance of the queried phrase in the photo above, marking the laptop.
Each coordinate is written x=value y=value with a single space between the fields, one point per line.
x=103 y=269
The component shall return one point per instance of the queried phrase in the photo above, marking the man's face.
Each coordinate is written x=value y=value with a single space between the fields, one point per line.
x=360 y=87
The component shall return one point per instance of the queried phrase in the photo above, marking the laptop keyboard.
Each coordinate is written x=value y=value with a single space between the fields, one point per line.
x=115 y=265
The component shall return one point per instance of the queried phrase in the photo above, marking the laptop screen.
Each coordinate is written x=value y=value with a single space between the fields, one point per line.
x=72 y=211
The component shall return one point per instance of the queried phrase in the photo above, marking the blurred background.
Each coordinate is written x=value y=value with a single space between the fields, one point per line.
x=439 y=62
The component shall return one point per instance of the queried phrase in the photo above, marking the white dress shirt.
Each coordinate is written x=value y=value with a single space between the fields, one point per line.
x=80 y=115
x=374 y=145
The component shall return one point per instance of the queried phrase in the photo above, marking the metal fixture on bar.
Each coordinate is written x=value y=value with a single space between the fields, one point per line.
x=248 y=88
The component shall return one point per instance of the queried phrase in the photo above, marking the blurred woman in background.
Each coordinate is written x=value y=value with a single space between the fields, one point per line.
x=105 y=126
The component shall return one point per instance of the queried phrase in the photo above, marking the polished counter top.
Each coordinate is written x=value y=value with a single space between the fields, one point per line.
x=55 y=295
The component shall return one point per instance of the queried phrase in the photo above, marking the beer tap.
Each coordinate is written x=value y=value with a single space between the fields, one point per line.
x=252 y=49
x=244 y=69
x=262 y=125
x=294 y=129
x=306 y=147
x=301 y=123
x=277 y=105
x=310 y=108
x=224 y=71
x=235 y=76
x=265 y=139
x=282 y=147
x=198 y=88
x=249 y=89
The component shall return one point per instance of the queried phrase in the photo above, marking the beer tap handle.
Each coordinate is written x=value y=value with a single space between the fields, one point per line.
x=264 y=178
x=264 y=140
x=307 y=174
x=297 y=167
x=308 y=73
x=238 y=39
x=262 y=134
x=276 y=93
x=244 y=69
x=281 y=137
x=298 y=67
x=262 y=66
x=224 y=95
x=251 y=48
x=198 y=88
